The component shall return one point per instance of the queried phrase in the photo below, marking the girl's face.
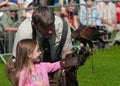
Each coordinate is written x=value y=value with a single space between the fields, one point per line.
x=34 y=56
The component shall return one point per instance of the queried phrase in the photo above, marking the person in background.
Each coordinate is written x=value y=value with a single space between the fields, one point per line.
x=82 y=4
x=89 y=16
x=70 y=15
x=4 y=6
x=10 y=22
x=20 y=4
x=28 y=73
x=107 y=14
x=117 y=6
x=117 y=37
x=66 y=2
x=29 y=12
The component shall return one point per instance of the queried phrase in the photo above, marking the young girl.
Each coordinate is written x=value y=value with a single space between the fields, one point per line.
x=30 y=71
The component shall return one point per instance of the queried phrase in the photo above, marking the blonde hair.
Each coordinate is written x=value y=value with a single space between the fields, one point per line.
x=24 y=47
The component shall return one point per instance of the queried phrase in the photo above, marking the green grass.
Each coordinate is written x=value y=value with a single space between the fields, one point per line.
x=3 y=79
x=106 y=69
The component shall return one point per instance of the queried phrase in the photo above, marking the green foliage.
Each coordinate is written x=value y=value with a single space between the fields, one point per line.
x=106 y=69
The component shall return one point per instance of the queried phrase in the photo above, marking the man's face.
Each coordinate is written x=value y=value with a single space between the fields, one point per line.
x=46 y=32
x=13 y=13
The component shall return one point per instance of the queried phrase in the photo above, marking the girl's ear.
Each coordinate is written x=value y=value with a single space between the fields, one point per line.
x=29 y=55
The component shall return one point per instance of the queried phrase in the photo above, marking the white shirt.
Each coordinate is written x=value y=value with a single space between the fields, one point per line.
x=25 y=31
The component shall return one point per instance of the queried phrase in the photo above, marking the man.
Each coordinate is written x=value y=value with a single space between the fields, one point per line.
x=4 y=5
x=49 y=26
x=10 y=22
x=117 y=36
x=107 y=12
x=89 y=15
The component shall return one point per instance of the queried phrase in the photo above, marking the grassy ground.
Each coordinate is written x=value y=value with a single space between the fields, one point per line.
x=3 y=79
x=106 y=69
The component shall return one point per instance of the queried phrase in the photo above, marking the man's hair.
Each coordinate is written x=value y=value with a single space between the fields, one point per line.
x=43 y=16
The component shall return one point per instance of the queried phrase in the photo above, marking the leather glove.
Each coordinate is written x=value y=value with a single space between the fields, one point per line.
x=75 y=60
x=69 y=61
x=83 y=55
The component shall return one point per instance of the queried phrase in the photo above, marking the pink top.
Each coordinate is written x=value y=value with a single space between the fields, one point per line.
x=41 y=73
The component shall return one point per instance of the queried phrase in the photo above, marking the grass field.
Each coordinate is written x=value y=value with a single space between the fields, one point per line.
x=106 y=68
x=106 y=64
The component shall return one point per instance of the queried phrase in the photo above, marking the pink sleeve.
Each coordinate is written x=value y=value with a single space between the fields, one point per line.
x=51 y=67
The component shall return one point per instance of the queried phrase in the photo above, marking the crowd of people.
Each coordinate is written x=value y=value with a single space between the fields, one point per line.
x=105 y=13
x=94 y=15
x=42 y=24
